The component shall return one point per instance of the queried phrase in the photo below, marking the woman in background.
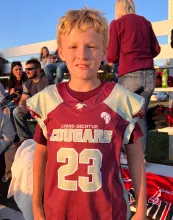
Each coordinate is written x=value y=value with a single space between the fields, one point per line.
x=44 y=56
x=15 y=88
x=133 y=45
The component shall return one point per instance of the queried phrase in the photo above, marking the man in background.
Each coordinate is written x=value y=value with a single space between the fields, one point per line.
x=36 y=82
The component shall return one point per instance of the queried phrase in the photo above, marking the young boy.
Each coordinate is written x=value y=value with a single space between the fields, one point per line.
x=85 y=123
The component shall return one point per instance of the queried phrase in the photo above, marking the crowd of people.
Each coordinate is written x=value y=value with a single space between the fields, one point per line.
x=84 y=126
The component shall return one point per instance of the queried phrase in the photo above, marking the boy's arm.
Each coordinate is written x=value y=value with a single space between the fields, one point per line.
x=137 y=171
x=40 y=161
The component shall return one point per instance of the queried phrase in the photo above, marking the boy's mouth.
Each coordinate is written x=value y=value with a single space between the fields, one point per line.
x=82 y=66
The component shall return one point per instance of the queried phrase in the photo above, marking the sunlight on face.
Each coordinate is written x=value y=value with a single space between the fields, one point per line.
x=83 y=53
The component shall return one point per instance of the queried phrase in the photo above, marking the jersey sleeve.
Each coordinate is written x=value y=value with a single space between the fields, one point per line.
x=133 y=111
x=129 y=106
x=136 y=134
x=39 y=107
x=39 y=137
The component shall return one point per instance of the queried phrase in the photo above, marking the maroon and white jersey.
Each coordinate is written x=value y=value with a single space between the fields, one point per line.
x=83 y=176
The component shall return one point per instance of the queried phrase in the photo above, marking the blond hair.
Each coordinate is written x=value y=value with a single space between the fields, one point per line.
x=82 y=20
x=123 y=7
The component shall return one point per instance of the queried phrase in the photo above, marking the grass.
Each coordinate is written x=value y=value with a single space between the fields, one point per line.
x=158 y=148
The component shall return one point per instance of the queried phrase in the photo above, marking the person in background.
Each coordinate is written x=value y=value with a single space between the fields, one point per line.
x=56 y=66
x=17 y=79
x=81 y=131
x=7 y=133
x=44 y=56
x=35 y=83
x=2 y=92
x=15 y=88
x=133 y=44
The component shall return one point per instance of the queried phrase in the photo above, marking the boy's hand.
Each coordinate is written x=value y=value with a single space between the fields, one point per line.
x=39 y=213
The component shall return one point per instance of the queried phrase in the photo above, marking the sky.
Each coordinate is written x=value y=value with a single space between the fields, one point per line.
x=31 y=21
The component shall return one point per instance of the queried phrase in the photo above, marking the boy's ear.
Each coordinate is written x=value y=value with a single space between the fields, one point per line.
x=105 y=52
x=104 y=55
x=61 y=54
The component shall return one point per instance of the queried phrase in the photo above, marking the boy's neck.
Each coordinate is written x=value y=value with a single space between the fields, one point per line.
x=84 y=85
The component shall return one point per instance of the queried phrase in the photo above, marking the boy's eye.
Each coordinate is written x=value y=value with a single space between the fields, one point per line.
x=91 y=47
x=73 y=47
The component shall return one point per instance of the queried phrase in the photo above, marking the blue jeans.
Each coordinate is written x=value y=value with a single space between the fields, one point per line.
x=11 y=106
x=58 y=68
x=21 y=124
x=143 y=83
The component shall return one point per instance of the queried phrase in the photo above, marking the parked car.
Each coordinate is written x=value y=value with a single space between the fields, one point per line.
x=159 y=96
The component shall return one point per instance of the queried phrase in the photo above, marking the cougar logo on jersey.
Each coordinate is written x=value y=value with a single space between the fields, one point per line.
x=106 y=116
x=80 y=105
x=81 y=135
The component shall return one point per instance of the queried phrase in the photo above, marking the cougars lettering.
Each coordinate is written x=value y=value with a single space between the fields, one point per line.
x=81 y=135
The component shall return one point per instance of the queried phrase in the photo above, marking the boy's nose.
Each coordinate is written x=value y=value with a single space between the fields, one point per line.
x=82 y=53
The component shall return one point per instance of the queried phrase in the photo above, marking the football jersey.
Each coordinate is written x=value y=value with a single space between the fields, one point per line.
x=84 y=140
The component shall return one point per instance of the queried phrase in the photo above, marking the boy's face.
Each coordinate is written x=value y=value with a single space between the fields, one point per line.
x=83 y=53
